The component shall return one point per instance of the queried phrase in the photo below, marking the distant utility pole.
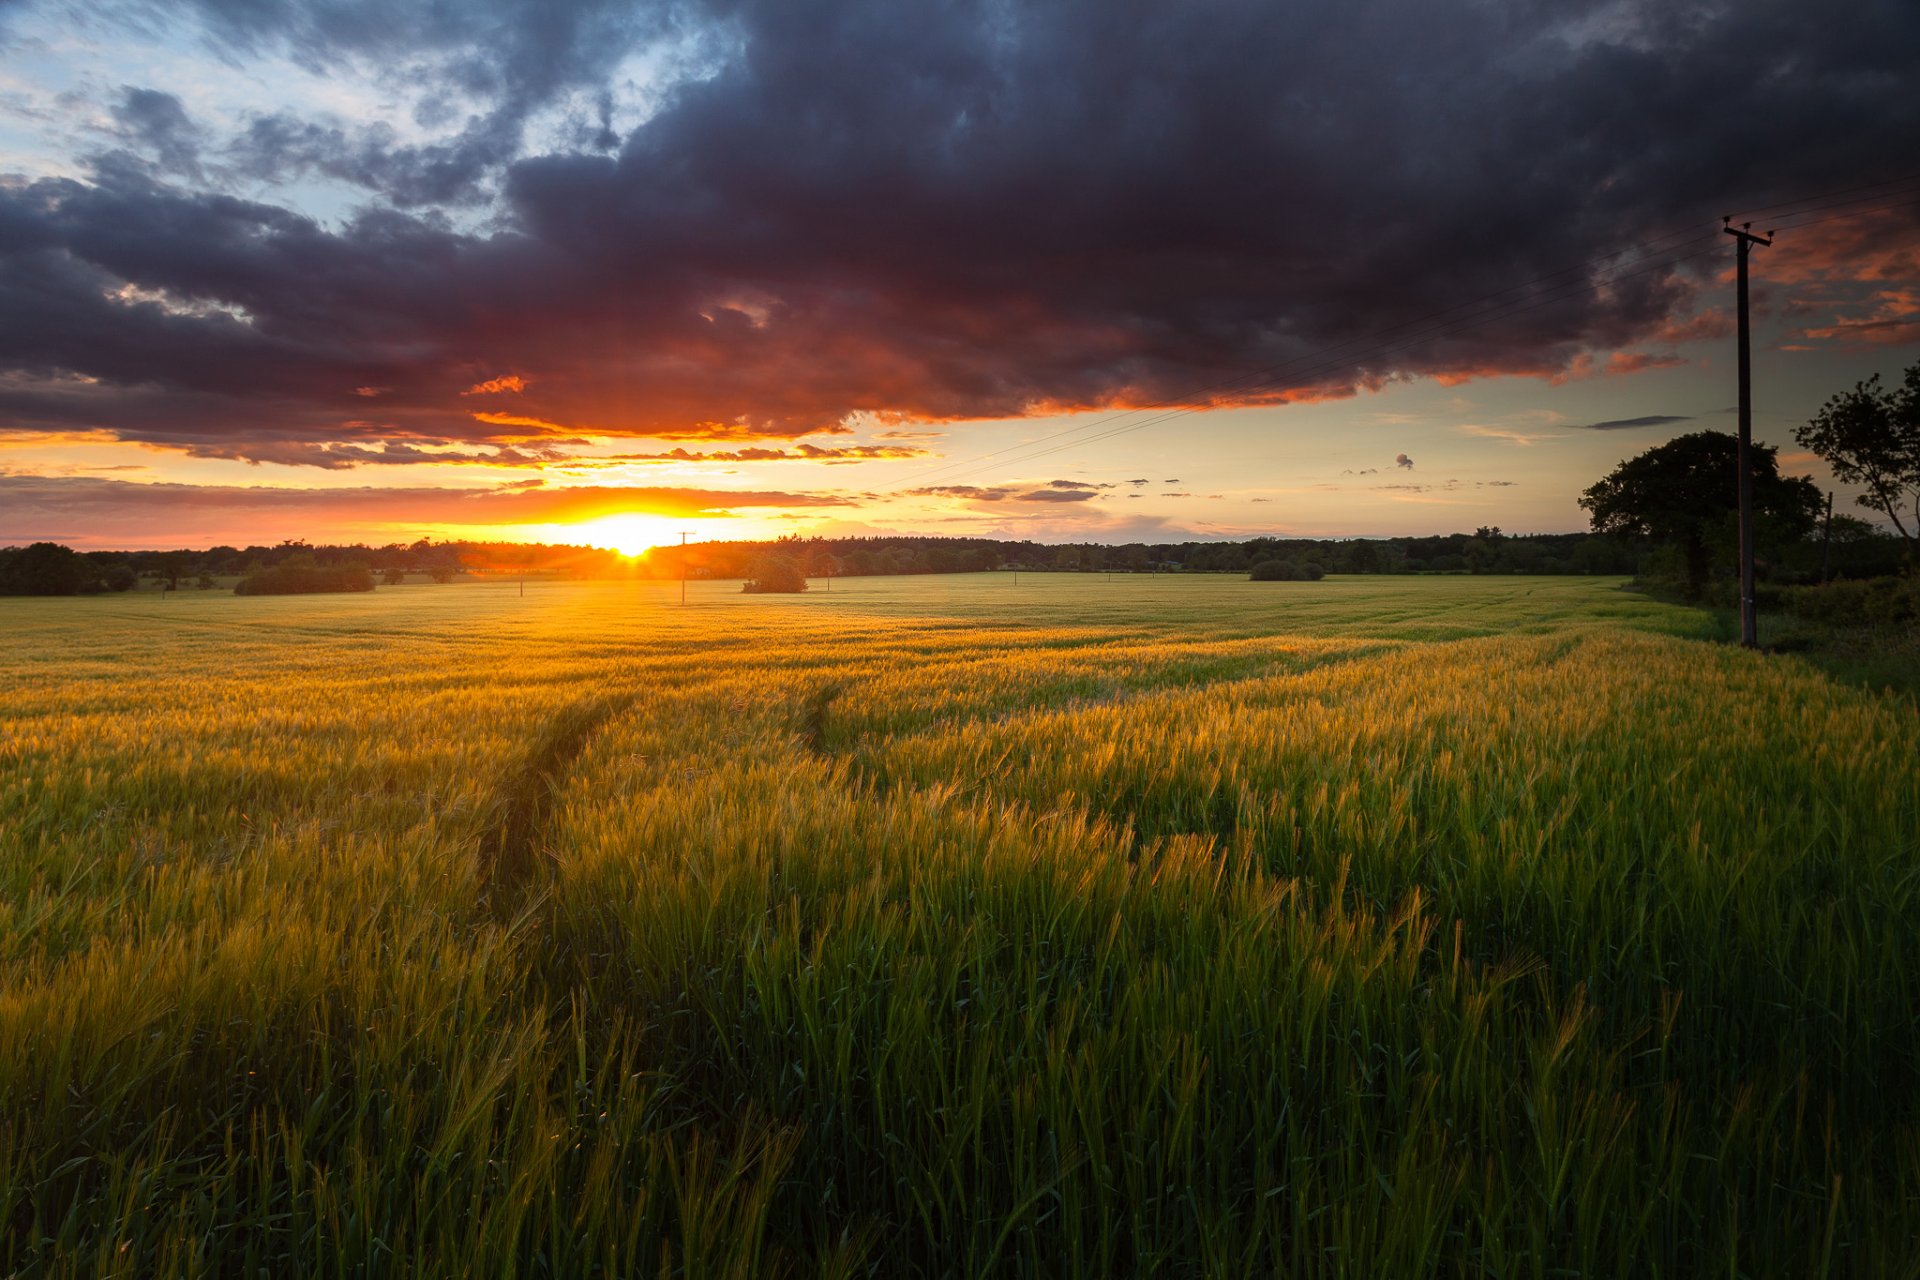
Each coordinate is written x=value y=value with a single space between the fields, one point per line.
x=1745 y=239
x=1826 y=541
x=684 y=535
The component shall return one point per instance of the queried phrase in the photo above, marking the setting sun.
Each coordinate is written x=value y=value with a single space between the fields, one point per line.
x=629 y=533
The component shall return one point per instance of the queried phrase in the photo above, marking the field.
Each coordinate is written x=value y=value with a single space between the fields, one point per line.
x=1169 y=926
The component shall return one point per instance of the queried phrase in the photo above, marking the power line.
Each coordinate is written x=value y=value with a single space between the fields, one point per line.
x=1264 y=373
x=1332 y=358
x=1763 y=212
x=1335 y=359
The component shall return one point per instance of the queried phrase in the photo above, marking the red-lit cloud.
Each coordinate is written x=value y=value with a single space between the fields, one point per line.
x=894 y=215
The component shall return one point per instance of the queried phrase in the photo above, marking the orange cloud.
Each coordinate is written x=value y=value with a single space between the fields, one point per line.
x=519 y=420
x=512 y=382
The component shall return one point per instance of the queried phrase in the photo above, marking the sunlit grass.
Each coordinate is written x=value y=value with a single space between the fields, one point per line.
x=947 y=926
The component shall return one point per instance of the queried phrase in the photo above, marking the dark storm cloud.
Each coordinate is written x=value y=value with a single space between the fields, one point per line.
x=912 y=211
x=1624 y=424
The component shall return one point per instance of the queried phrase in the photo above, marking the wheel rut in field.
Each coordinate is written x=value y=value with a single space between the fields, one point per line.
x=511 y=845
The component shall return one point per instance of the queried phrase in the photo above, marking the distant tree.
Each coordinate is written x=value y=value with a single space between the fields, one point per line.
x=45 y=569
x=1285 y=571
x=1685 y=492
x=776 y=573
x=171 y=566
x=1870 y=436
x=1361 y=556
x=394 y=575
x=443 y=572
x=205 y=582
x=300 y=574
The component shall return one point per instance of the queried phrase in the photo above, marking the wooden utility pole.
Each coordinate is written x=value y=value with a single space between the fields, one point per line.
x=1749 y=616
x=683 y=565
x=1826 y=542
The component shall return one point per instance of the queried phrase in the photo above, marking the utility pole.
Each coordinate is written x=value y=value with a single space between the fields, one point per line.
x=1745 y=239
x=683 y=565
x=1826 y=542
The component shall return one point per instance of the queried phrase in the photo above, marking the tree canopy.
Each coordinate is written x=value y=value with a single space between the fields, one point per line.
x=1685 y=492
x=1870 y=436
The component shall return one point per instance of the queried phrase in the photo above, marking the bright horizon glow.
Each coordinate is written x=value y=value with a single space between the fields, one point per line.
x=630 y=533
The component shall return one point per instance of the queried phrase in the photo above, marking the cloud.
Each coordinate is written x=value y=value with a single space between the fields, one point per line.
x=1402 y=461
x=103 y=512
x=1053 y=491
x=735 y=245
x=494 y=386
x=1626 y=424
x=799 y=453
x=1523 y=439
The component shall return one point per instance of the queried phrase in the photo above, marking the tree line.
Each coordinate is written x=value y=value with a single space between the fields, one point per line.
x=1649 y=547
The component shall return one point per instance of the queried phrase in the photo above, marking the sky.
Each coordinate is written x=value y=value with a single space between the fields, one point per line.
x=600 y=272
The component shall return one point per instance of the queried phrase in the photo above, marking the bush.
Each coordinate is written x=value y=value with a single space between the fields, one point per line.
x=291 y=579
x=776 y=573
x=1285 y=571
x=1869 y=602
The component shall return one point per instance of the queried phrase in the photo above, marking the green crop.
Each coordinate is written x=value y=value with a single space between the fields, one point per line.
x=1162 y=926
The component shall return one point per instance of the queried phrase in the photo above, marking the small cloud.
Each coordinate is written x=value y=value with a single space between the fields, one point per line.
x=970 y=491
x=1176 y=494
x=1402 y=461
x=1627 y=424
x=1067 y=493
x=1173 y=481
x=371 y=391
x=1522 y=438
x=516 y=420
x=1139 y=482
x=492 y=386
x=1260 y=499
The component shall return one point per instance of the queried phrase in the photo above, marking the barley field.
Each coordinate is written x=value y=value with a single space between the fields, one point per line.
x=947 y=926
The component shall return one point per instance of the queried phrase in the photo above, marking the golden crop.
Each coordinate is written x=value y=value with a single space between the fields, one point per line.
x=942 y=926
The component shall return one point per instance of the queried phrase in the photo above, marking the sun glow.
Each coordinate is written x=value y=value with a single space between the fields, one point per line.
x=629 y=533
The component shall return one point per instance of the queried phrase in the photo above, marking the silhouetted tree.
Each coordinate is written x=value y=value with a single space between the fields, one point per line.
x=45 y=569
x=1870 y=436
x=1685 y=492
x=776 y=573
x=1285 y=571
